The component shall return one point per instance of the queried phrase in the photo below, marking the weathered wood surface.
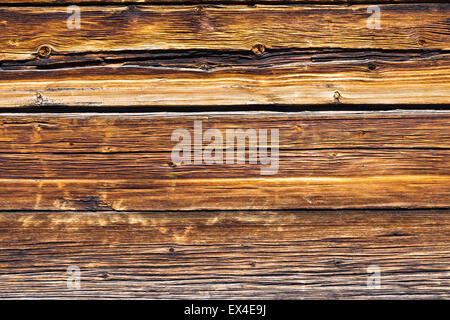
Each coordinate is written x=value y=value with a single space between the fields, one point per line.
x=123 y=162
x=101 y=191
x=238 y=27
x=228 y=78
x=280 y=255
x=224 y=55
x=353 y=163
x=151 y=132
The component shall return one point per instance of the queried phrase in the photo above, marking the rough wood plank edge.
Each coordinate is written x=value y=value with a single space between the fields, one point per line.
x=208 y=2
x=404 y=162
x=277 y=255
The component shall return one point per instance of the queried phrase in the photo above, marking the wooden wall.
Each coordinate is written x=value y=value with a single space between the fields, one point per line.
x=88 y=178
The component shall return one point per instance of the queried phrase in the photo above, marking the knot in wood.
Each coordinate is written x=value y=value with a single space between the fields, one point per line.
x=258 y=49
x=44 y=51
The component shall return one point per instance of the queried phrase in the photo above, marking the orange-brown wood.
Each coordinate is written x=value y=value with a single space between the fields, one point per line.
x=224 y=55
x=277 y=255
x=124 y=162
x=352 y=192
x=275 y=79
x=113 y=28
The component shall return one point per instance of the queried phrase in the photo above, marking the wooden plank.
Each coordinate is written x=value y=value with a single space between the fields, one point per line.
x=320 y=192
x=235 y=78
x=124 y=162
x=277 y=255
x=151 y=132
x=112 y=28
x=147 y=165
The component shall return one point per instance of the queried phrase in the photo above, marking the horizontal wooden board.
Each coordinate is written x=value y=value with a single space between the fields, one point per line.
x=308 y=163
x=278 y=255
x=385 y=191
x=221 y=78
x=151 y=132
x=123 y=162
x=112 y=28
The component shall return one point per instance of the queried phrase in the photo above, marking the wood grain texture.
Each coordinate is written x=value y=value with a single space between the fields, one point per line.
x=151 y=132
x=353 y=163
x=112 y=28
x=101 y=191
x=123 y=162
x=209 y=55
x=278 y=255
x=222 y=78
